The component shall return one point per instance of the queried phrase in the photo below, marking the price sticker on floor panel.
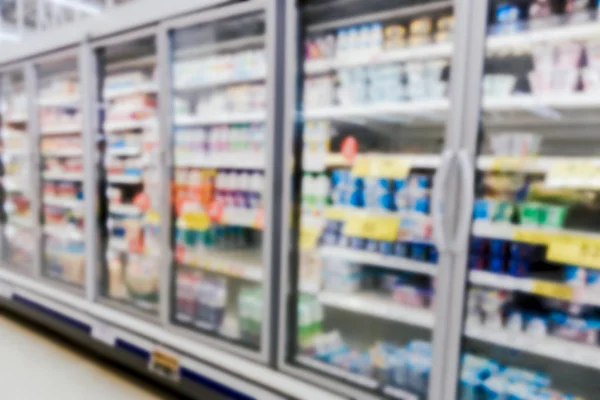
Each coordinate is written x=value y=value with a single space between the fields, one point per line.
x=585 y=253
x=164 y=363
x=372 y=227
x=554 y=290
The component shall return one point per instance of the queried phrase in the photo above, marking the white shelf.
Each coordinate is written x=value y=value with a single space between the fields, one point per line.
x=124 y=209
x=18 y=118
x=555 y=348
x=394 y=263
x=141 y=88
x=219 y=82
x=527 y=102
x=425 y=108
x=217 y=119
x=59 y=101
x=124 y=179
x=24 y=222
x=241 y=161
x=63 y=153
x=507 y=231
x=527 y=39
x=63 y=129
x=243 y=264
x=63 y=176
x=13 y=185
x=63 y=202
x=130 y=124
x=361 y=380
x=123 y=151
x=439 y=50
x=378 y=306
x=319 y=163
x=66 y=232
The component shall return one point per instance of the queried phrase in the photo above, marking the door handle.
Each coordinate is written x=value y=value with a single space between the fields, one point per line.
x=439 y=180
x=467 y=182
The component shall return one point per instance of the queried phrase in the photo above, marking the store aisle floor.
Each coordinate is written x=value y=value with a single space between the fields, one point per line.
x=33 y=366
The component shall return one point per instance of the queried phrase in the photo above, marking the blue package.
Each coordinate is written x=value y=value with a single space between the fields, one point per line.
x=515 y=375
x=519 y=268
x=386 y=248
x=477 y=262
x=420 y=346
x=498 y=248
x=421 y=204
x=497 y=265
x=593 y=277
x=433 y=254
x=419 y=252
x=507 y=13
x=357 y=196
x=371 y=245
x=419 y=367
x=575 y=275
x=521 y=391
x=401 y=249
x=478 y=245
x=496 y=387
x=522 y=251
x=470 y=385
x=399 y=368
x=481 y=209
x=357 y=243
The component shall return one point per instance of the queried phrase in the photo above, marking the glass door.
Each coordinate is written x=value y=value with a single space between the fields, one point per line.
x=374 y=109
x=61 y=148
x=129 y=180
x=18 y=235
x=532 y=309
x=219 y=138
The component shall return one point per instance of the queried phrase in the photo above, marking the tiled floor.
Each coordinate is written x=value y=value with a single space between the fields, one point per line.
x=35 y=367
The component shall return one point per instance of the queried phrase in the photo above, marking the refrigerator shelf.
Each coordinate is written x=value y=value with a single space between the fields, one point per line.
x=337 y=160
x=63 y=202
x=378 y=260
x=361 y=380
x=67 y=101
x=378 y=306
x=65 y=232
x=62 y=129
x=425 y=108
x=528 y=234
x=124 y=179
x=17 y=118
x=124 y=209
x=555 y=348
x=21 y=221
x=63 y=153
x=123 y=151
x=141 y=88
x=217 y=119
x=243 y=264
x=11 y=185
x=229 y=161
x=526 y=39
x=130 y=124
x=438 y=50
x=536 y=103
x=63 y=176
x=190 y=87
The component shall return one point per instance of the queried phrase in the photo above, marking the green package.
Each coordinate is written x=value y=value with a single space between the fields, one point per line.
x=553 y=216
x=530 y=213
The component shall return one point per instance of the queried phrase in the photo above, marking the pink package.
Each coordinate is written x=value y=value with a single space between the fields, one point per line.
x=564 y=80
x=540 y=81
x=591 y=80
x=593 y=53
x=569 y=55
x=544 y=56
x=411 y=296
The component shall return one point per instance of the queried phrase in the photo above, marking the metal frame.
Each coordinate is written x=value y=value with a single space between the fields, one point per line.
x=264 y=355
x=452 y=142
x=93 y=99
x=474 y=32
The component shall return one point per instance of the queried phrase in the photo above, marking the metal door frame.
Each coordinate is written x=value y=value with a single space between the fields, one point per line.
x=452 y=143
x=265 y=353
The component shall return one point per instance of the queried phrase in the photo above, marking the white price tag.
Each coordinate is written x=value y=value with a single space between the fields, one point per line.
x=104 y=333
x=6 y=290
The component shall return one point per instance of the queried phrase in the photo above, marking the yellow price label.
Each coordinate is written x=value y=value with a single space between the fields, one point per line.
x=196 y=220
x=309 y=236
x=573 y=172
x=585 y=253
x=152 y=217
x=362 y=167
x=372 y=227
x=554 y=290
x=511 y=163
x=534 y=236
x=390 y=168
x=335 y=213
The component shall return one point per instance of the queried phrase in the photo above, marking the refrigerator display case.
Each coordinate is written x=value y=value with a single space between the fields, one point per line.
x=531 y=306
x=220 y=137
x=60 y=125
x=18 y=233
x=129 y=178
x=367 y=275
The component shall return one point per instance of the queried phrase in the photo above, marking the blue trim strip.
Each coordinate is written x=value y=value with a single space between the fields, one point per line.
x=133 y=349
x=73 y=322
x=214 y=385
